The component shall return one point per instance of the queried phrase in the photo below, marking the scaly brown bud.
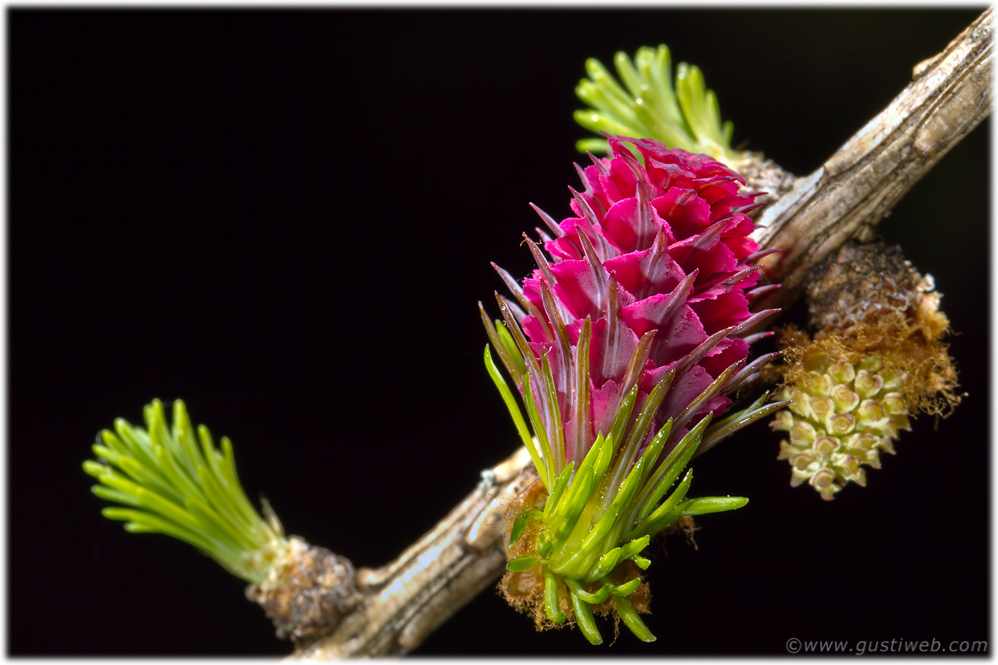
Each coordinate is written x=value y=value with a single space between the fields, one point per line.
x=307 y=593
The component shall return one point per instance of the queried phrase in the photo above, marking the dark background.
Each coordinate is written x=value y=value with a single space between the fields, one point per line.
x=286 y=219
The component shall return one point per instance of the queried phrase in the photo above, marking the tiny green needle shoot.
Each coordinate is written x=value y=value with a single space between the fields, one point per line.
x=647 y=105
x=176 y=482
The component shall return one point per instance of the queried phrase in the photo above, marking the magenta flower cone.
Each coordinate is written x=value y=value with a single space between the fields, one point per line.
x=629 y=337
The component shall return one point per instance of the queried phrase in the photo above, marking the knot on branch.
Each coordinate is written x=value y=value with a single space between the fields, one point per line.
x=873 y=301
x=308 y=594
x=763 y=175
x=871 y=283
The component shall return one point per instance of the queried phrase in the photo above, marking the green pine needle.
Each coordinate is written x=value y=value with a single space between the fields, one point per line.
x=175 y=482
x=647 y=105
x=602 y=509
x=589 y=525
x=632 y=619
x=521 y=563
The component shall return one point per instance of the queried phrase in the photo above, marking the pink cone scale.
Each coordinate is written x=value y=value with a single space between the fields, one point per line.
x=633 y=328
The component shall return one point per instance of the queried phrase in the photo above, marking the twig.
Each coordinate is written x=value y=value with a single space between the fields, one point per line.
x=847 y=197
x=858 y=185
x=407 y=599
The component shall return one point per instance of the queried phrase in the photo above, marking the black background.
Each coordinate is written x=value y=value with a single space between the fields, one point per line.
x=286 y=219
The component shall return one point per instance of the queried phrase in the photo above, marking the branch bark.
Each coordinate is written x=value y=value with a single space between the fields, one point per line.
x=407 y=599
x=847 y=197
x=858 y=185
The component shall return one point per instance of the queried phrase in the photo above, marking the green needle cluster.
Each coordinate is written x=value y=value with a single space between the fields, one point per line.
x=605 y=512
x=647 y=105
x=584 y=518
x=173 y=481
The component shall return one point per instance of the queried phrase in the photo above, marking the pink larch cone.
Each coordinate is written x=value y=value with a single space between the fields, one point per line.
x=625 y=344
x=658 y=258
